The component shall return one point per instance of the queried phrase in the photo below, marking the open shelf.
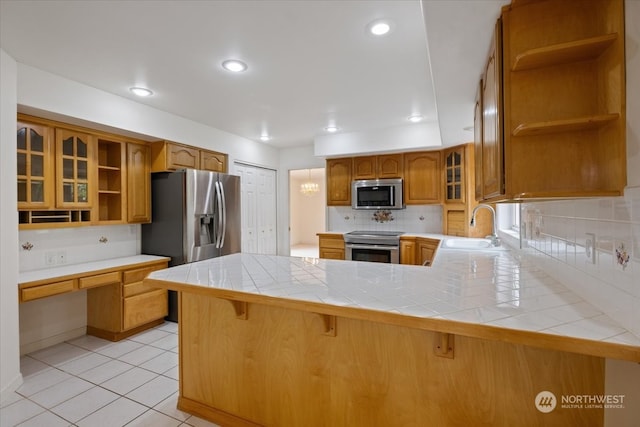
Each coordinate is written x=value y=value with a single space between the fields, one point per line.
x=566 y=125
x=562 y=53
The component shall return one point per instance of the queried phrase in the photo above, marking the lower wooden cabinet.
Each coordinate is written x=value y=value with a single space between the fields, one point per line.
x=127 y=307
x=418 y=250
x=331 y=246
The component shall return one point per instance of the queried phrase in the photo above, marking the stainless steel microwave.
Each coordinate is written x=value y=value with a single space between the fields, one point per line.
x=377 y=194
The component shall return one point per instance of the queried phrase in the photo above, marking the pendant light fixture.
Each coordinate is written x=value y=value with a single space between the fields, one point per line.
x=309 y=188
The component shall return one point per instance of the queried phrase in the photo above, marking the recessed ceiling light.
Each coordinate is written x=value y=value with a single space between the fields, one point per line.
x=141 y=91
x=415 y=118
x=234 y=65
x=379 y=27
x=331 y=129
x=264 y=138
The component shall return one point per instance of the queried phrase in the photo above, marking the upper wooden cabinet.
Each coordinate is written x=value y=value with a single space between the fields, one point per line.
x=564 y=117
x=35 y=166
x=339 y=182
x=422 y=178
x=454 y=175
x=111 y=181
x=75 y=169
x=138 y=183
x=378 y=167
x=170 y=156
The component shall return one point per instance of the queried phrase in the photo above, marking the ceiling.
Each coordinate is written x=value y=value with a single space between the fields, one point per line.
x=311 y=63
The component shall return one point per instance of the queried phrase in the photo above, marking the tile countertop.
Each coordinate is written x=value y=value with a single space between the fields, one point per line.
x=87 y=267
x=497 y=295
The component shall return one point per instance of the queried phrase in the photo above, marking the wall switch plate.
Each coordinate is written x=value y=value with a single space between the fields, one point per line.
x=61 y=257
x=50 y=258
x=590 y=248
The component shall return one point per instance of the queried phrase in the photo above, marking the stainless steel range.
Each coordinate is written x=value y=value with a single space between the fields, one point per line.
x=373 y=246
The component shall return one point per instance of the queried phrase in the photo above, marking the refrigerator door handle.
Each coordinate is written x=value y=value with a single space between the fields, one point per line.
x=219 y=214
x=223 y=214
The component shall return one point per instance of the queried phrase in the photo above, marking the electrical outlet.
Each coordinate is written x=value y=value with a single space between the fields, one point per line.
x=61 y=257
x=590 y=248
x=50 y=258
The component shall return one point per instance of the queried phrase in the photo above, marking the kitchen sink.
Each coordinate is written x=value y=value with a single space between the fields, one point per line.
x=469 y=244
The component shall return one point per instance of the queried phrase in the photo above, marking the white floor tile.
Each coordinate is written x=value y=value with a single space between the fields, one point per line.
x=58 y=354
x=169 y=327
x=169 y=407
x=39 y=382
x=161 y=363
x=117 y=413
x=166 y=343
x=118 y=349
x=83 y=364
x=11 y=399
x=199 y=422
x=129 y=380
x=152 y=418
x=172 y=373
x=45 y=419
x=90 y=342
x=141 y=355
x=30 y=366
x=84 y=404
x=18 y=412
x=104 y=372
x=154 y=392
x=149 y=336
x=60 y=392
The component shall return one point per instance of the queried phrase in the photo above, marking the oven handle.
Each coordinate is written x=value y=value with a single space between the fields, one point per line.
x=383 y=247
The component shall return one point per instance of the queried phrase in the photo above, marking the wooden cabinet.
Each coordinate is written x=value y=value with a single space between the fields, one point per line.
x=422 y=178
x=213 y=161
x=418 y=250
x=75 y=169
x=331 y=246
x=339 y=182
x=563 y=108
x=459 y=195
x=35 y=166
x=138 y=183
x=170 y=156
x=407 y=250
x=125 y=307
x=378 y=167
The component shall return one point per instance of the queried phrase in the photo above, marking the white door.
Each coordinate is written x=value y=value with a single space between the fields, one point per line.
x=258 y=198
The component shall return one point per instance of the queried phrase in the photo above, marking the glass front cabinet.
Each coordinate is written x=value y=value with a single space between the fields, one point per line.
x=75 y=164
x=35 y=166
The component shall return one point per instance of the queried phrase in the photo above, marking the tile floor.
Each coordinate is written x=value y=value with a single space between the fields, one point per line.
x=92 y=382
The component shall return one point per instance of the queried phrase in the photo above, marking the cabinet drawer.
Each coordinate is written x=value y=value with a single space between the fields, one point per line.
x=332 y=242
x=47 y=290
x=99 y=280
x=136 y=288
x=144 y=308
x=139 y=274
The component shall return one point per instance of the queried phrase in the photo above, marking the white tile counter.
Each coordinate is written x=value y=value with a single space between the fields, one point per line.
x=488 y=294
x=87 y=267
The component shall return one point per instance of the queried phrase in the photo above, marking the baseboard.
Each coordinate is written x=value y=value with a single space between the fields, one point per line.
x=53 y=340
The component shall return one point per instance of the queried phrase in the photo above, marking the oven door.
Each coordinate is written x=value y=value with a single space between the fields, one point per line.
x=372 y=253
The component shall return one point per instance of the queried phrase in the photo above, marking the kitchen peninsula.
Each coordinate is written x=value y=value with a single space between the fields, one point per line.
x=272 y=340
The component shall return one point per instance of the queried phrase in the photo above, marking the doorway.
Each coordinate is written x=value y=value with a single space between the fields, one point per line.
x=307 y=210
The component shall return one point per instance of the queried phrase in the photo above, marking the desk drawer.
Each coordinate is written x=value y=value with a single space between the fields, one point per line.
x=144 y=308
x=42 y=291
x=99 y=280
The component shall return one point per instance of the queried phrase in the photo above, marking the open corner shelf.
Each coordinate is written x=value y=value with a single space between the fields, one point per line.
x=563 y=53
x=566 y=125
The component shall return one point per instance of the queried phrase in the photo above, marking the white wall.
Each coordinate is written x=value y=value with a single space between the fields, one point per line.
x=10 y=377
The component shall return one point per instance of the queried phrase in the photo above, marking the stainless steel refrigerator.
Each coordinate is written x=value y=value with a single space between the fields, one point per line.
x=195 y=216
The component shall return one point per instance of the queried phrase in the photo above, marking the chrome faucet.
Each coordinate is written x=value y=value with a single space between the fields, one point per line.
x=495 y=240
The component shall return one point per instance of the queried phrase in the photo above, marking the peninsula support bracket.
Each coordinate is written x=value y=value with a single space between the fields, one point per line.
x=329 y=322
x=444 y=345
x=241 y=308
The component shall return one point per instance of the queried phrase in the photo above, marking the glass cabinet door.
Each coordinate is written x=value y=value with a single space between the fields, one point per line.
x=453 y=176
x=35 y=174
x=74 y=157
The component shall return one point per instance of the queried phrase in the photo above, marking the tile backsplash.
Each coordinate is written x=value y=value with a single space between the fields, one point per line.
x=65 y=246
x=593 y=246
x=413 y=219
